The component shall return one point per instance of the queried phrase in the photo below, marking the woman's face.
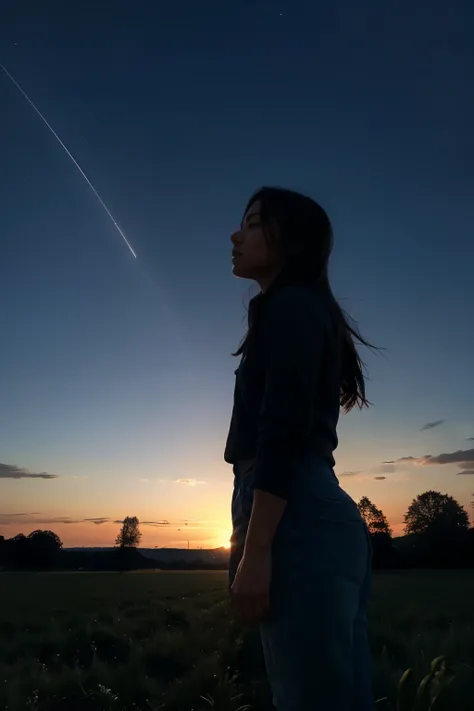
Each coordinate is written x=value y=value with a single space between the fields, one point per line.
x=253 y=257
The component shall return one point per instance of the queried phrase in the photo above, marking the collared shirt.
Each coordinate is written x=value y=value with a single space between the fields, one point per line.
x=287 y=388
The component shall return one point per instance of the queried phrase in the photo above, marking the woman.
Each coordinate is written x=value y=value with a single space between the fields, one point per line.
x=300 y=552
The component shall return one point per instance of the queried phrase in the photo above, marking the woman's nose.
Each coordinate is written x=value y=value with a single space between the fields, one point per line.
x=234 y=238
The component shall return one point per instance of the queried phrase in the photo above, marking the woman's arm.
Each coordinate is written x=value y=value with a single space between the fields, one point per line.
x=251 y=589
x=267 y=511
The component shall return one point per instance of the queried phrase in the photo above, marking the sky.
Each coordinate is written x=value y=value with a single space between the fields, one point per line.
x=116 y=377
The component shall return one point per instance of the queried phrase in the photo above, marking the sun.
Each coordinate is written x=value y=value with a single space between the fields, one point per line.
x=222 y=537
x=226 y=540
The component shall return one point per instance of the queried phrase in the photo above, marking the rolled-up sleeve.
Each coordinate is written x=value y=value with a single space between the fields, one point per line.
x=294 y=338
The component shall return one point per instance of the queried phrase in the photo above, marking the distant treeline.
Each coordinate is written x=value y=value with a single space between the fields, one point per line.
x=437 y=535
x=43 y=550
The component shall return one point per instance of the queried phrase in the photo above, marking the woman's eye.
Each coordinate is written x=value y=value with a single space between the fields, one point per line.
x=253 y=225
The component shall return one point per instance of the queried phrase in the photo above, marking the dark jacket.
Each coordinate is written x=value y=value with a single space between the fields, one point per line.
x=287 y=386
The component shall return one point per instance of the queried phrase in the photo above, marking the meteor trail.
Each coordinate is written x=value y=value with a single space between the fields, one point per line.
x=68 y=152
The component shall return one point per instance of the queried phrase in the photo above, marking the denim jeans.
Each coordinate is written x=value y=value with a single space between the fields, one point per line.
x=315 y=636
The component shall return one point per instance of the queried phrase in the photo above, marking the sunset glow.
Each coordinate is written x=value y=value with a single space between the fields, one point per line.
x=117 y=369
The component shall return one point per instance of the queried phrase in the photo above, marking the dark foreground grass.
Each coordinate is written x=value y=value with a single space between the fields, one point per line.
x=149 y=641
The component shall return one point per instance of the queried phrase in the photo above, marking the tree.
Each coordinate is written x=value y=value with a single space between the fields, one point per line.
x=374 y=518
x=46 y=538
x=129 y=535
x=43 y=548
x=437 y=515
x=380 y=533
x=17 y=550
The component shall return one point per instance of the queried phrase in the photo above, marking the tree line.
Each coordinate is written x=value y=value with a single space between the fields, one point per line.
x=39 y=550
x=437 y=534
x=436 y=527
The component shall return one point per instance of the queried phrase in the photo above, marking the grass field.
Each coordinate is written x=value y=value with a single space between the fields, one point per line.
x=149 y=641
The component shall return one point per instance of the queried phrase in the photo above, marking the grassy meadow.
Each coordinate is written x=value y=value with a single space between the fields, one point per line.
x=154 y=640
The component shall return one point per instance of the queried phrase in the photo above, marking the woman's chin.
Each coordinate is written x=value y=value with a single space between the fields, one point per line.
x=239 y=272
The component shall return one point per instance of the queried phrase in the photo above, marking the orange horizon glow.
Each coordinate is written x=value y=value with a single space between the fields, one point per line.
x=209 y=529
x=86 y=535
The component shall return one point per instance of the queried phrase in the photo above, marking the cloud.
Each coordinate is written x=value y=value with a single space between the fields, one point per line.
x=189 y=482
x=378 y=473
x=431 y=425
x=11 y=471
x=460 y=456
x=468 y=472
x=34 y=520
x=51 y=521
x=37 y=519
x=366 y=475
x=470 y=439
x=67 y=520
x=157 y=524
x=464 y=458
x=386 y=469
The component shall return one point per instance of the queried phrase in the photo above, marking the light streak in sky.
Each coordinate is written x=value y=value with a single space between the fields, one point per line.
x=68 y=152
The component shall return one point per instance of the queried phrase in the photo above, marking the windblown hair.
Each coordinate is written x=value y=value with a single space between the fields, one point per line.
x=305 y=235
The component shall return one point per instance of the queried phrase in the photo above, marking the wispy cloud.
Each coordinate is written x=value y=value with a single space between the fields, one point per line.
x=11 y=471
x=457 y=457
x=37 y=519
x=376 y=473
x=402 y=460
x=431 y=425
x=468 y=472
x=189 y=482
x=470 y=439
x=385 y=469
x=157 y=524
x=464 y=458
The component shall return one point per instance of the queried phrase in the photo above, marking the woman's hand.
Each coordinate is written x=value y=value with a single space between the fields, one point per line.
x=250 y=592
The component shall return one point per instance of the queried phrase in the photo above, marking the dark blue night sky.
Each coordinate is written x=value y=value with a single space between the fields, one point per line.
x=115 y=373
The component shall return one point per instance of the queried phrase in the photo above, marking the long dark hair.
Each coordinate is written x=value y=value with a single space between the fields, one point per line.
x=306 y=237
